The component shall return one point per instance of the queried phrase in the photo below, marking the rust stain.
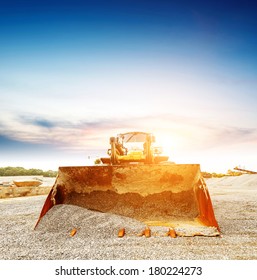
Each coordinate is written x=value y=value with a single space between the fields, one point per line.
x=120 y=176
x=171 y=178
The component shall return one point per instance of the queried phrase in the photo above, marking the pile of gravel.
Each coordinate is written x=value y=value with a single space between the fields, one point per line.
x=64 y=218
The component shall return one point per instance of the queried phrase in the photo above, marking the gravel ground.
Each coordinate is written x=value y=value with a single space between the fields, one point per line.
x=234 y=200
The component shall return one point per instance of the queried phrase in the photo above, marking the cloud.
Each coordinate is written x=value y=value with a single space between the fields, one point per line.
x=236 y=135
x=37 y=121
x=79 y=135
x=44 y=123
x=190 y=133
x=200 y=133
x=38 y=141
x=9 y=146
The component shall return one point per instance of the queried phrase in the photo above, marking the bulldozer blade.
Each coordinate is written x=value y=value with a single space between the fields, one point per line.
x=171 y=195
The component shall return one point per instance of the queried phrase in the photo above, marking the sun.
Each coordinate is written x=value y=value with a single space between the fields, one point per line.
x=168 y=142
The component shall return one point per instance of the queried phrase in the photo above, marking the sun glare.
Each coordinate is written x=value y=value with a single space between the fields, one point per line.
x=168 y=142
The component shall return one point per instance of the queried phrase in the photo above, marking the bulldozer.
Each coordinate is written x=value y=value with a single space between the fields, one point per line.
x=134 y=147
x=136 y=180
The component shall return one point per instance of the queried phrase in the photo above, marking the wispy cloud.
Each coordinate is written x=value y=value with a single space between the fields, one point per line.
x=37 y=121
x=10 y=146
x=61 y=133
x=226 y=136
x=84 y=134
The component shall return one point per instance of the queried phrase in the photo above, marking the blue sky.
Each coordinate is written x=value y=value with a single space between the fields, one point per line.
x=74 y=73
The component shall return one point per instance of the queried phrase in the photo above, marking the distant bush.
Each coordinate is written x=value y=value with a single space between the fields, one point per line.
x=220 y=175
x=206 y=174
x=21 y=171
x=234 y=173
x=98 y=161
